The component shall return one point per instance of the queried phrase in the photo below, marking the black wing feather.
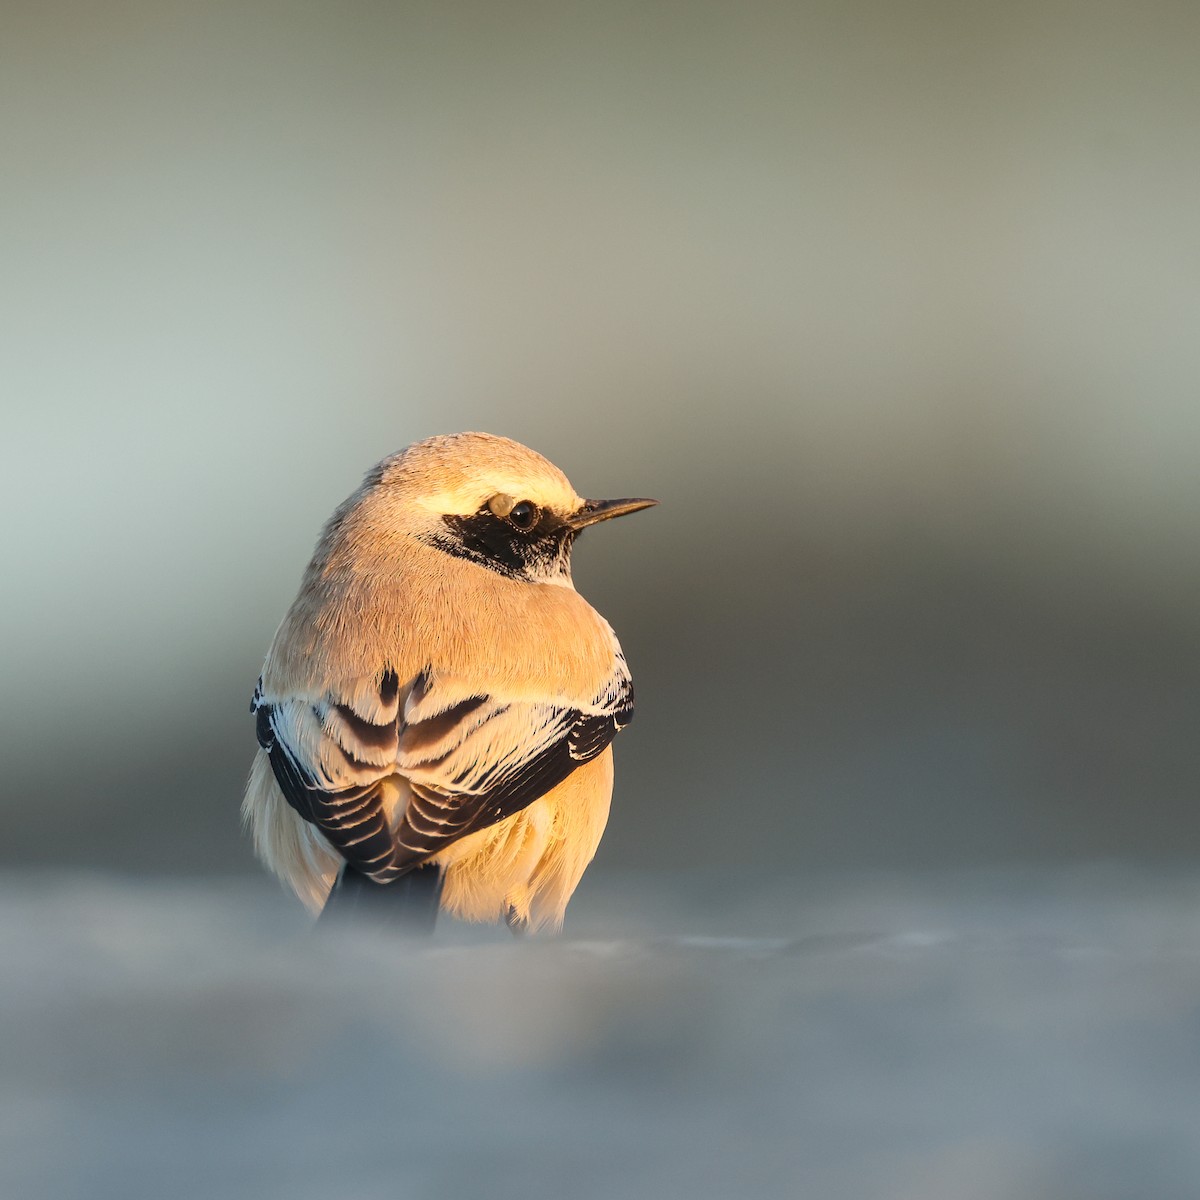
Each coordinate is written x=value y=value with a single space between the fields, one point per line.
x=434 y=819
x=352 y=819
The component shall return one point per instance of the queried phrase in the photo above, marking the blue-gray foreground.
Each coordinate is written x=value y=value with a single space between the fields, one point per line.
x=973 y=1038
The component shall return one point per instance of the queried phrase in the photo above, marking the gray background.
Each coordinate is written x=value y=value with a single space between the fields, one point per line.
x=895 y=307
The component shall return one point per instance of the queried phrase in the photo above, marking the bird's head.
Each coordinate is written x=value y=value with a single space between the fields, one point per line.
x=494 y=502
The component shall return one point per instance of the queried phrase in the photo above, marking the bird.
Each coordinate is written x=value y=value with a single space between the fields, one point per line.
x=436 y=710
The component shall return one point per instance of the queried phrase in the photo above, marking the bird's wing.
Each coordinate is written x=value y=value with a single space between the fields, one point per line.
x=330 y=757
x=470 y=759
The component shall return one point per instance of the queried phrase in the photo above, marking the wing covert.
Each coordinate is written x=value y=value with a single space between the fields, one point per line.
x=495 y=757
x=330 y=763
x=469 y=759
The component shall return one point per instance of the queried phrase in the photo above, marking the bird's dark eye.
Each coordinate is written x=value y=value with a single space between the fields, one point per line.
x=524 y=515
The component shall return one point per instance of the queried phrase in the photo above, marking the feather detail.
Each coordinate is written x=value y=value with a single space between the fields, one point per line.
x=473 y=762
x=464 y=762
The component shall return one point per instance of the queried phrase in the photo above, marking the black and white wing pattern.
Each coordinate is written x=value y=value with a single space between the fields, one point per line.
x=469 y=759
x=332 y=761
x=473 y=760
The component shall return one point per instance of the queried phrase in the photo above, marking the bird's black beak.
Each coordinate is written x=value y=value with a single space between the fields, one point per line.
x=603 y=510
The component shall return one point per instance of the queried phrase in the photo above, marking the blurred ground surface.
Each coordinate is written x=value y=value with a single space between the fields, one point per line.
x=967 y=1037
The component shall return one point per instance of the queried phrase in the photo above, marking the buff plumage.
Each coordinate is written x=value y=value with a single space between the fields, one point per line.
x=439 y=701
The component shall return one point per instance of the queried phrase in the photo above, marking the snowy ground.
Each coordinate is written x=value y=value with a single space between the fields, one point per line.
x=1014 y=1035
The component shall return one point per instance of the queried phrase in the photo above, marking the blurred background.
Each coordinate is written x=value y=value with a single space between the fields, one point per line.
x=895 y=307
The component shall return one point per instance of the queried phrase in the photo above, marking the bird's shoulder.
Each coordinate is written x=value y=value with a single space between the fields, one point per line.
x=510 y=637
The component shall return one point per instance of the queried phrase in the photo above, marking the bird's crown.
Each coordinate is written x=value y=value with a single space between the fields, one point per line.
x=457 y=473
